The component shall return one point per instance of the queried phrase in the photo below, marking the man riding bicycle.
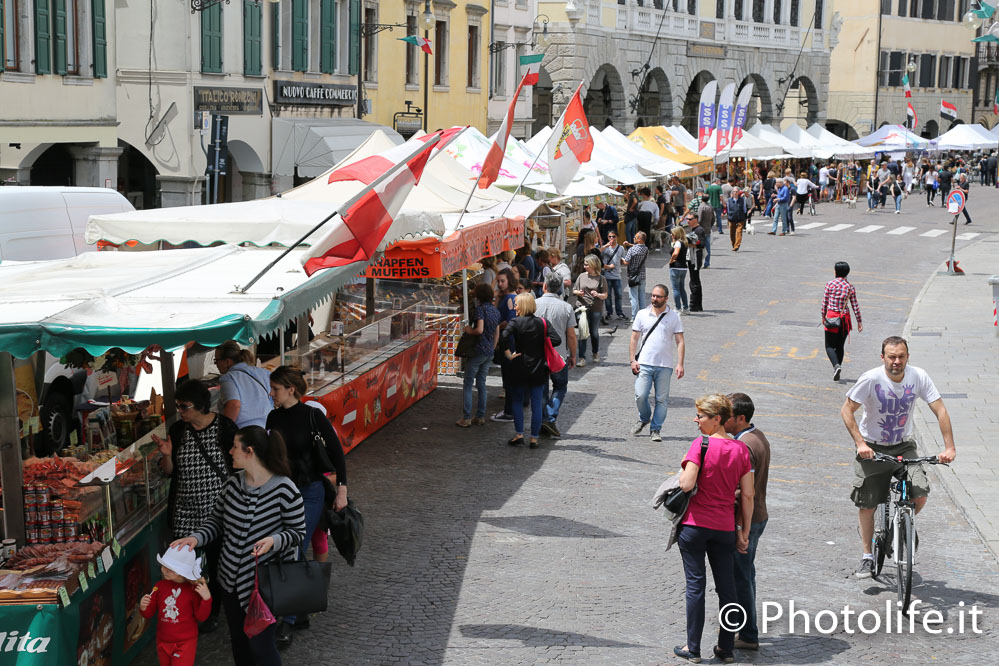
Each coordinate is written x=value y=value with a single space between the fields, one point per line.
x=888 y=395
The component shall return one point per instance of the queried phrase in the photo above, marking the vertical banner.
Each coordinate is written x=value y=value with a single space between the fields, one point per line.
x=741 y=111
x=706 y=114
x=724 y=117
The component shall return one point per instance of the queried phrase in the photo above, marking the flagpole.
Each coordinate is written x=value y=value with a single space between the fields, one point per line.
x=524 y=179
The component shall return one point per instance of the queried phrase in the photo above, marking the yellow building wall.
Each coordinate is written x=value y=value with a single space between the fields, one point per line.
x=454 y=104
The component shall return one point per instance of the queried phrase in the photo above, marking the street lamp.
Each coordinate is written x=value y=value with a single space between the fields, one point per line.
x=202 y=5
x=427 y=21
x=544 y=39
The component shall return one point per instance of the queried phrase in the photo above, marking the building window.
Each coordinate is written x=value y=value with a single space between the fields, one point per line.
x=778 y=20
x=440 y=54
x=252 y=19
x=758 y=8
x=886 y=6
x=370 y=47
x=276 y=36
x=960 y=68
x=794 y=12
x=896 y=63
x=719 y=9
x=412 y=66
x=354 y=37
x=913 y=8
x=211 y=40
x=943 y=79
x=64 y=37
x=100 y=36
x=819 y=8
x=945 y=10
x=927 y=68
x=928 y=9
x=692 y=7
x=499 y=71
x=739 y=8
x=473 y=56
x=327 y=36
x=883 y=69
x=8 y=35
x=300 y=35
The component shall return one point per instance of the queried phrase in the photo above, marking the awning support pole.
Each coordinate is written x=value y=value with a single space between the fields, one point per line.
x=464 y=290
x=10 y=453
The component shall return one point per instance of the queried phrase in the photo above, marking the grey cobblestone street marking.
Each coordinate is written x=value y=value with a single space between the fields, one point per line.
x=479 y=553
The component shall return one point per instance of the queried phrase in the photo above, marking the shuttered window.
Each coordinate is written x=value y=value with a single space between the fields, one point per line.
x=100 y=30
x=327 y=37
x=300 y=35
x=211 y=39
x=353 y=64
x=59 y=36
x=252 y=18
x=43 y=38
x=276 y=35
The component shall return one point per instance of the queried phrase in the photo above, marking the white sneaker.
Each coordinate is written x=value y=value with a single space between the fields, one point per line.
x=790 y=233
x=581 y=363
x=596 y=359
x=898 y=212
x=638 y=427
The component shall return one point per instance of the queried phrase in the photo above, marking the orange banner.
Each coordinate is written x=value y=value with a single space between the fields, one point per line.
x=358 y=409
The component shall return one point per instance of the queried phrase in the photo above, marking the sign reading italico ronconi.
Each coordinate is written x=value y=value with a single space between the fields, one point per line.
x=325 y=94
x=229 y=101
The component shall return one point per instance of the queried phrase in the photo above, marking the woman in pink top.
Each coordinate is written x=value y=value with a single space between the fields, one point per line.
x=709 y=526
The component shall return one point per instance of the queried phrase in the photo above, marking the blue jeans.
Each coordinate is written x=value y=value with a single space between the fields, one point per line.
x=593 y=319
x=678 y=279
x=613 y=304
x=476 y=370
x=555 y=394
x=707 y=248
x=718 y=220
x=649 y=375
x=314 y=499
x=872 y=200
x=630 y=228
x=745 y=583
x=518 y=408
x=637 y=295
x=780 y=217
x=898 y=202
x=719 y=546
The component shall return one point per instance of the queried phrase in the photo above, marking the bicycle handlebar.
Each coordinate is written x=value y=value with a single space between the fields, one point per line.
x=883 y=457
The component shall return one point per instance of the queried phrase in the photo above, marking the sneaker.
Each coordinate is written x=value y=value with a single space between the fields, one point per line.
x=771 y=233
x=596 y=359
x=836 y=373
x=866 y=568
x=898 y=212
x=549 y=428
x=622 y=316
x=682 y=652
x=478 y=420
x=685 y=311
x=655 y=436
x=605 y=321
x=502 y=417
x=581 y=363
x=638 y=427
x=746 y=645
x=790 y=233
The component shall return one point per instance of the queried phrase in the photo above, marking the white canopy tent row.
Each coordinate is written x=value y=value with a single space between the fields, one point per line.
x=644 y=159
x=788 y=145
x=966 y=137
x=894 y=138
x=604 y=165
x=748 y=147
x=843 y=149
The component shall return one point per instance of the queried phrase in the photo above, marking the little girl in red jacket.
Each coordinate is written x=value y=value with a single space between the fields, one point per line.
x=181 y=600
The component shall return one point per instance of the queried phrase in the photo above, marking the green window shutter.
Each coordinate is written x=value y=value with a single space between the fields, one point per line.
x=252 y=17
x=327 y=39
x=353 y=65
x=100 y=40
x=276 y=35
x=211 y=39
x=59 y=36
x=43 y=38
x=300 y=35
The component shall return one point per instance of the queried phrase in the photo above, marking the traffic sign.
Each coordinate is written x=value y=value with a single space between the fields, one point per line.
x=955 y=202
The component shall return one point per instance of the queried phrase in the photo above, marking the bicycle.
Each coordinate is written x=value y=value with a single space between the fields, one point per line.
x=811 y=204
x=894 y=531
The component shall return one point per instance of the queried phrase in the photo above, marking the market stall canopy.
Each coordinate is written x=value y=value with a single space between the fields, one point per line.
x=611 y=164
x=470 y=148
x=966 y=137
x=130 y=300
x=772 y=136
x=748 y=146
x=844 y=149
x=311 y=146
x=644 y=159
x=819 y=150
x=893 y=138
x=660 y=142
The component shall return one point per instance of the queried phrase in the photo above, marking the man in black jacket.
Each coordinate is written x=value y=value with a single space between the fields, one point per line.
x=946 y=179
x=694 y=262
x=738 y=212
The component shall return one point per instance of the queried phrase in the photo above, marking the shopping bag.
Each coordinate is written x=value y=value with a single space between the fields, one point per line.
x=554 y=361
x=347 y=530
x=258 y=615
x=584 y=324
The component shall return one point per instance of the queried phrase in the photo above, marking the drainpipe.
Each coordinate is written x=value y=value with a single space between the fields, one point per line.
x=877 y=74
x=492 y=36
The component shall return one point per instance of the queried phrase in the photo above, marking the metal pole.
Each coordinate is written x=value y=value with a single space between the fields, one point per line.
x=953 y=241
x=524 y=179
x=464 y=289
x=169 y=377
x=360 y=72
x=426 y=82
x=10 y=453
x=215 y=168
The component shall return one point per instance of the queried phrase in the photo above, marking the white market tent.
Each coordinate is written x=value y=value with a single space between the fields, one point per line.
x=645 y=159
x=966 y=137
x=748 y=146
x=844 y=149
x=312 y=146
x=819 y=150
x=892 y=138
x=788 y=145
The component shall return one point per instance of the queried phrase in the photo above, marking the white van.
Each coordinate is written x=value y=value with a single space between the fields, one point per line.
x=39 y=223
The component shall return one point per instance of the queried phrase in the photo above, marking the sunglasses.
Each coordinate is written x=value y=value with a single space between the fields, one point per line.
x=183 y=408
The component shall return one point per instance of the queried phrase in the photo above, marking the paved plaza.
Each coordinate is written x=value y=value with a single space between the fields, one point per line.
x=479 y=553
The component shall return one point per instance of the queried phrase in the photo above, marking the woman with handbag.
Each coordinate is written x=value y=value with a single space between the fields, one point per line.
x=836 y=316
x=528 y=364
x=709 y=527
x=591 y=290
x=313 y=450
x=486 y=326
x=258 y=518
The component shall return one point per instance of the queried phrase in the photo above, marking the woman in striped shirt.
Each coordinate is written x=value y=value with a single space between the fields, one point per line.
x=258 y=514
x=836 y=301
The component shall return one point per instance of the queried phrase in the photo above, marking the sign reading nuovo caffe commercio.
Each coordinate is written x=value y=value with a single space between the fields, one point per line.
x=323 y=94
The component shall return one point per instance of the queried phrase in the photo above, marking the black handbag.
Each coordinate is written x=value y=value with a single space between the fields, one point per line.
x=319 y=445
x=347 y=529
x=677 y=500
x=294 y=588
x=467 y=344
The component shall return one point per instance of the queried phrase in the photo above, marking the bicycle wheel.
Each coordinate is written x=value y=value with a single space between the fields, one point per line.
x=811 y=206
x=881 y=542
x=903 y=559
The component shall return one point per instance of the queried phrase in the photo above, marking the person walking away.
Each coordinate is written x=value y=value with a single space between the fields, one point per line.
x=741 y=428
x=678 y=269
x=590 y=290
x=561 y=317
x=803 y=187
x=945 y=177
x=506 y=292
x=769 y=192
x=299 y=425
x=783 y=203
x=837 y=298
x=244 y=389
x=180 y=600
x=963 y=186
x=991 y=166
x=706 y=219
x=695 y=244
x=607 y=220
x=667 y=216
x=654 y=333
x=486 y=326
x=888 y=395
x=709 y=527
x=635 y=259
x=738 y=213
x=648 y=213
x=631 y=213
x=612 y=255
x=528 y=365
x=714 y=194
x=930 y=180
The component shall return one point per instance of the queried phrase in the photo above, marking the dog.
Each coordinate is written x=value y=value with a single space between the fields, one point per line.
x=850 y=203
x=750 y=229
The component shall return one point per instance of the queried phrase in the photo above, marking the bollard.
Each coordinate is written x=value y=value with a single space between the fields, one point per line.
x=994 y=281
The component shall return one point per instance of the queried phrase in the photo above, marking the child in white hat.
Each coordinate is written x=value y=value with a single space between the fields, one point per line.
x=181 y=600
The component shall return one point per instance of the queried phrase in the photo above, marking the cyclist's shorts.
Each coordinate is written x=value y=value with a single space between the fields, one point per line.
x=872 y=479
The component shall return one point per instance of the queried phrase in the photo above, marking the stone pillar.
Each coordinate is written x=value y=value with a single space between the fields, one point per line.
x=281 y=184
x=180 y=190
x=95 y=166
x=255 y=185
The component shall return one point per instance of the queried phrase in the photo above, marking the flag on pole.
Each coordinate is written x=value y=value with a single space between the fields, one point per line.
x=741 y=112
x=724 y=117
x=905 y=85
x=911 y=113
x=369 y=214
x=533 y=65
x=948 y=110
x=995 y=103
x=494 y=158
x=368 y=169
x=706 y=114
x=416 y=40
x=570 y=144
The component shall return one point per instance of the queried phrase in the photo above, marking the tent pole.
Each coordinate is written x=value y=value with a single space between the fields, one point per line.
x=464 y=290
x=464 y=209
x=10 y=453
x=523 y=180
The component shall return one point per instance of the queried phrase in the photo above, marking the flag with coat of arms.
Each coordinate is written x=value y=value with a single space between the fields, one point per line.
x=570 y=144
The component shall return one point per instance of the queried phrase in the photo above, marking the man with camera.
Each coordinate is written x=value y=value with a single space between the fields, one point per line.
x=653 y=333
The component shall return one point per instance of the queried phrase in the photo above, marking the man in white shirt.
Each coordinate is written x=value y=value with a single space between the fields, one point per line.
x=823 y=182
x=888 y=395
x=653 y=333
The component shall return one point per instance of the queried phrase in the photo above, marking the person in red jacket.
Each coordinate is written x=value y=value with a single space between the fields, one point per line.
x=180 y=601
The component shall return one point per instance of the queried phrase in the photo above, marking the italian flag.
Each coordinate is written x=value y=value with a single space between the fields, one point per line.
x=418 y=41
x=905 y=85
x=911 y=112
x=570 y=144
x=948 y=110
x=533 y=65
x=494 y=158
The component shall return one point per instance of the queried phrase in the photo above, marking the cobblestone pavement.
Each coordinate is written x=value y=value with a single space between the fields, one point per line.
x=479 y=553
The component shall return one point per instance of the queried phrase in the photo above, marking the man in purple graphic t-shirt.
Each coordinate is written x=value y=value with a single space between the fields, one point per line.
x=888 y=395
